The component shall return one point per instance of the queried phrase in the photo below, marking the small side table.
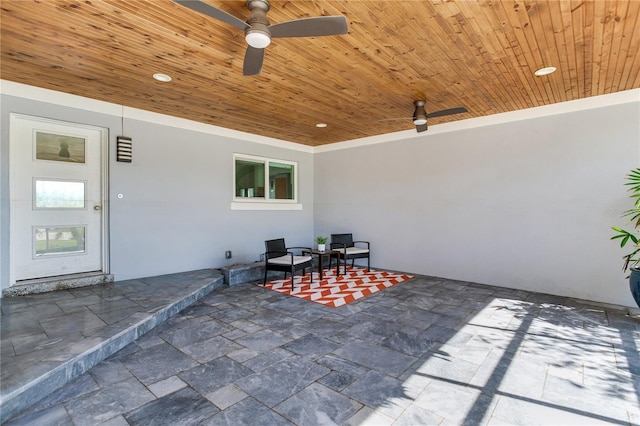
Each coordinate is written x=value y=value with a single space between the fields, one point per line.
x=321 y=255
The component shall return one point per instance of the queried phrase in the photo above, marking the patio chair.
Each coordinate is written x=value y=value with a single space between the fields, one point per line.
x=279 y=257
x=347 y=249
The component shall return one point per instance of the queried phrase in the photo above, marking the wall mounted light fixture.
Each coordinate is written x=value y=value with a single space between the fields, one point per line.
x=124 y=149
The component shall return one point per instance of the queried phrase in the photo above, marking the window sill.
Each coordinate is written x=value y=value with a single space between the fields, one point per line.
x=265 y=206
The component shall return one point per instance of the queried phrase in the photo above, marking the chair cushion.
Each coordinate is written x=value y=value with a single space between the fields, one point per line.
x=286 y=260
x=354 y=250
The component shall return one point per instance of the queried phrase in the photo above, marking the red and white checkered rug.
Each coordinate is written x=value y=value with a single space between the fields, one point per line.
x=338 y=291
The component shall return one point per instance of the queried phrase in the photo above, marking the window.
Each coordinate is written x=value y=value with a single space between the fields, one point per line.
x=58 y=194
x=263 y=183
x=52 y=241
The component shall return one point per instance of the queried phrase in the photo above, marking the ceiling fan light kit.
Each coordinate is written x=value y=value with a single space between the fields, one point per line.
x=259 y=32
x=257 y=39
x=420 y=114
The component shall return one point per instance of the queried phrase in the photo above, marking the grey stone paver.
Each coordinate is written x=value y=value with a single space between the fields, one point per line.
x=317 y=404
x=182 y=407
x=428 y=351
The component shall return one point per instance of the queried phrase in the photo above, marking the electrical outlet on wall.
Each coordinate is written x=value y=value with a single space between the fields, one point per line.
x=227 y=254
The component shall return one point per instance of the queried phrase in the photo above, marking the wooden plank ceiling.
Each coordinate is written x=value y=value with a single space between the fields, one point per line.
x=476 y=54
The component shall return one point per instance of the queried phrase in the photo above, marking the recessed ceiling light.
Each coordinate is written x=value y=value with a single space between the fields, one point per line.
x=544 y=71
x=162 y=77
x=321 y=125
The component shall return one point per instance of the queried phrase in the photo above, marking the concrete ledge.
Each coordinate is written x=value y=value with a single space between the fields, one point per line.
x=241 y=273
x=56 y=283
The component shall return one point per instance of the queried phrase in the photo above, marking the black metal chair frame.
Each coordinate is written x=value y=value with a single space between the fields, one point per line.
x=343 y=241
x=276 y=248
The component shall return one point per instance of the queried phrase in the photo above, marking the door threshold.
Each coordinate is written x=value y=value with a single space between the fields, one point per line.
x=62 y=282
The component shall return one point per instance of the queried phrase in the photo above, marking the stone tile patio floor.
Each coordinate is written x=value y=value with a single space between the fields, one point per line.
x=428 y=351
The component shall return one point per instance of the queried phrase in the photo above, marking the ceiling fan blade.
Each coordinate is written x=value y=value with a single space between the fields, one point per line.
x=449 y=111
x=214 y=12
x=253 y=59
x=311 y=27
x=393 y=119
x=421 y=127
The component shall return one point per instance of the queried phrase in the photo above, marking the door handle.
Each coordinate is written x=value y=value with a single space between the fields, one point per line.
x=97 y=207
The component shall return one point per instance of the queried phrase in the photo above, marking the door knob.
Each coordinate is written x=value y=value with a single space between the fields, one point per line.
x=97 y=207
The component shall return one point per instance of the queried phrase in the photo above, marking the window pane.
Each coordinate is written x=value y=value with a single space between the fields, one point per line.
x=281 y=181
x=55 y=194
x=49 y=241
x=249 y=179
x=59 y=148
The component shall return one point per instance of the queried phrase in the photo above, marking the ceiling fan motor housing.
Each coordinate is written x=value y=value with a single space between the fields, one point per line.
x=419 y=115
x=258 y=34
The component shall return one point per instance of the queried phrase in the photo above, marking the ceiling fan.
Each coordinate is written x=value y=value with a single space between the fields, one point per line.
x=258 y=31
x=420 y=114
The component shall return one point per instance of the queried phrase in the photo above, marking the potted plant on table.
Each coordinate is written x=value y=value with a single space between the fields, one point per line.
x=631 y=260
x=322 y=241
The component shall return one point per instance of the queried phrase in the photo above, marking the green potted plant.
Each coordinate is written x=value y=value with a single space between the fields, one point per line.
x=632 y=237
x=322 y=241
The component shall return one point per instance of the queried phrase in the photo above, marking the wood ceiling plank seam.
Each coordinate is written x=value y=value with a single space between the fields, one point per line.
x=537 y=35
x=205 y=32
x=137 y=25
x=517 y=102
x=511 y=49
x=589 y=35
x=170 y=58
x=577 y=17
x=538 y=18
x=484 y=97
x=598 y=46
x=520 y=59
x=490 y=61
x=453 y=24
x=631 y=60
x=607 y=27
x=444 y=65
x=613 y=74
x=570 y=72
x=562 y=52
x=497 y=85
x=423 y=60
x=58 y=82
x=114 y=72
x=434 y=59
x=124 y=58
x=289 y=10
x=92 y=47
x=526 y=36
x=557 y=56
x=318 y=91
x=370 y=47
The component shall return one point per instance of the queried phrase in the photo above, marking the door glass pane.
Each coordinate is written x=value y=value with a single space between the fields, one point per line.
x=281 y=181
x=62 y=240
x=60 y=148
x=249 y=179
x=57 y=194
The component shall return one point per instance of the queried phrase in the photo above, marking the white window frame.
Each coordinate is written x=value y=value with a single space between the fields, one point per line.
x=266 y=203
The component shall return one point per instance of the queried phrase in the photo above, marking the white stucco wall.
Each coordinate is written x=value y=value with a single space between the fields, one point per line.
x=175 y=214
x=525 y=201
x=526 y=204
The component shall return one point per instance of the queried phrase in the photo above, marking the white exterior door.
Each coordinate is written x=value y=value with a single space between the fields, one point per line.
x=57 y=198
